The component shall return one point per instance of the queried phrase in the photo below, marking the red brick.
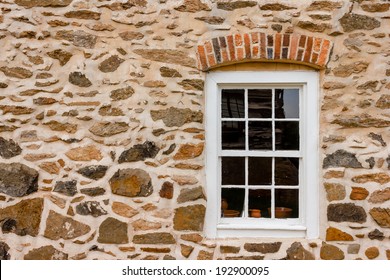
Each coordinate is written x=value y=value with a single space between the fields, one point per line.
x=278 y=43
x=240 y=54
x=255 y=52
x=247 y=44
x=202 y=57
x=225 y=56
x=232 y=49
x=302 y=41
x=308 y=50
x=314 y=58
x=223 y=45
x=237 y=40
x=217 y=50
x=211 y=60
x=255 y=38
x=300 y=55
x=323 y=58
x=209 y=47
x=293 y=47
x=286 y=40
x=317 y=44
x=270 y=41
x=262 y=46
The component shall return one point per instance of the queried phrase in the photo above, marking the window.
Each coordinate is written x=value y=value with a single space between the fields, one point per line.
x=262 y=154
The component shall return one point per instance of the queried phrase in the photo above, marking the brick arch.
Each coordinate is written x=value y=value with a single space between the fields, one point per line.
x=258 y=46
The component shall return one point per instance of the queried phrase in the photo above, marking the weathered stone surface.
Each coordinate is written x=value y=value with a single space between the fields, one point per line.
x=341 y=158
x=331 y=252
x=154 y=238
x=334 y=174
x=94 y=172
x=257 y=258
x=169 y=72
x=123 y=210
x=118 y=6
x=9 y=149
x=363 y=120
x=44 y=101
x=93 y=191
x=189 y=218
x=229 y=249
x=16 y=110
x=359 y=193
x=86 y=153
x=381 y=216
x=3 y=85
x=83 y=14
x=380 y=196
x=113 y=231
x=188 y=151
x=334 y=191
x=141 y=224
x=57 y=126
x=205 y=255
x=43 y=3
x=16 y=72
x=17 y=179
x=154 y=84
x=351 y=22
x=79 y=79
x=297 y=252
x=106 y=129
x=353 y=249
x=346 y=70
x=177 y=117
x=275 y=7
x=233 y=5
x=380 y=178
x=78 y=38
x=122 y=93
x=166 y=190
x=211 y=19
x=264 y=248
x=192 y=237
x=383 y=102
x=110 y=64
x=376 y=234
x=131 y=182
x=192 y=84
x=193 y=6
x=4 y=248
x=108 y=110
x=167 y=56
x=131 y=35
x=324 y=6
x=334 y=234
x=346 y=212
x=184 y=180
x=68 y=188
x=23 y=218
x=314 y=27
x=376 y=7
x=139 y=152
x=45 y=253
x=92 y=208
x=186 y=250
x=59 y=226
x=62 y=56
x=50 y=167
x=372 y=252
x=190 y=194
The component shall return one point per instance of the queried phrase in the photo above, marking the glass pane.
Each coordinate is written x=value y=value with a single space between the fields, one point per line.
x=233 y=171
x=233 y=103
x=260 y=171
x=260 y=103
x=233 y=135
x=232 y=202
x=260 y=135
x=286 y=171
x=286 y=103
x=287 y=136
x=286 y=203
x=259 y=200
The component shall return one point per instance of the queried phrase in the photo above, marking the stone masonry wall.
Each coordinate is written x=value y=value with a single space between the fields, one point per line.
x=102 y=126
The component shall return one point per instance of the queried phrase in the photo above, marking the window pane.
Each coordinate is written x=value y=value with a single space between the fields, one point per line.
x=233 y=103
x=286 y=103
x=233 y=135
x=287 y=135
x=260 y=171
x=233 y=202
x=286 y=171
x=261 y=200
x=260 y=135
x=260 y=103
x=286 y=203
x=233 y=171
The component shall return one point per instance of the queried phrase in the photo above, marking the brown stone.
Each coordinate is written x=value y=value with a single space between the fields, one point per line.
x=46 y=253
x=186 y=250
x=192 y=84
x=275 y=7
x=169 y=72
x=380 y=178
x=334 y=174
x=108 y=110
x=106 y=129
x=110 y=64
x=113 y=231
x=79 y=79
x=346 y=70
x=351 y=22
x=94 y=172
x=141 y=224
x=380 y=196
x=86 y=153
x=93 y=191
x=167 y=56
x=166 y=190
x=324 y=6
x=123 y=210
x=192 y=237
x=16 y=72
x=57 y=126
x=131 y=35
x=192 y=6
x=154 y=238
x=191 y=194
x=388 y=254
x=346 y=212
x=43 y=3
x=229 y=249
x=204 y=255
x=245 y=258
x=189 y=218
x=331 y=252
x=4 y=251
x=16 y=110
x=376 y=234
x=376 y=7
x=314 y=27
x=131 y=183
x=184 y=180
x=383 y=102
x=78 y=38
x=22 y=218
x=59 y=226
x=188 y=166
x=264 y=248
x=50 y=167
x=381 y=216
x=44 y=101
x=17 y=179
x=363 y=120
x=156 y=250
x=372 y=253
x=37 y=157
x=211 y=19
x=297 y=252
x=334 y=191
x=154 y=84
x=122 y=93
x=100 y=27
x=9 y=148
x=188 y=151
x=83 y=14
x=334 y=234
x=358 y=193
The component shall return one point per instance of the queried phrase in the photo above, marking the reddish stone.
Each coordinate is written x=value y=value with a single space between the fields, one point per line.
x=202 y=57
x=309 y=47
x=232 y=49
x=324 y=53
x=247 y=44
x=278 y=42
x=293 y=47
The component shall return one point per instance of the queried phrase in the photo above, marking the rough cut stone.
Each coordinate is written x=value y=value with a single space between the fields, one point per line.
x=45 y=253
x=359 y=193
x=108 y=110
x=376 y=234
x=154 y=238
x=141 y=224
x=106 y=129
x=331 y=252
x=383 y=102
x=346 y=212
x=363 y=120
x=190 y=195
x=212 y=20
x=380 y=178
x=131 y=35
x=186 y=250
x=346 y=70
x=257 y=258
x=68 y=188
x=59 y=226
x=94 y=172
x=92 y=208
x=79 y=79
x=86 y=153
x=57 y=126
x=324 y=6
x=17 y=179
x=376 y=7
x=192 y=237
x=314 y=27
x=166 y=190
x=83 y=14
x=380 y=196
x=193 y=6
x=189 y=151
x=24 y=216
x=62 y=56
x=93 y=191
x=79 y=38
x=50 y=167
x=110 y=64
x=167 y=56
x=334 y=234
x=297 y=252
x=275 y=7
x=351 y=22
x=334 y=191
x=9 y=149
x=43 y=3
x=123 y=210
x=139 y=152
x=341 y=158
x=189 y=218
x=113 y=231
x=229 y=249
x=16 y=72
x=184 y=180
x=381 y=216
x=122 y=93
x=169 y=72
x=264 y=248
x=16 y=110
x=204 y=255
x=177 y=117
x=131 y=183
x=372 y=252
x=192 y=84
x=4 y=248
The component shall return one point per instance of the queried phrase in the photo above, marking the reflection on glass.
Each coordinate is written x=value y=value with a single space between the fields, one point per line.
x=260 y=135
x=233 y=103
x=233 y=135
x=260 y=171
x=286 y=171
x=233 y=171
x=259 y=103
x=261 y=200
x=233 y=202
x=286 y=103
x=287 y=135
x=286 y=203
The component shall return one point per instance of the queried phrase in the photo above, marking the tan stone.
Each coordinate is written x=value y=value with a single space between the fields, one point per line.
x=43 y=3
x=388 y=254
x=204 y=255
x=46 y=253
x=167 y=56
x=192 y=237
x=188 y=151
x=297 y=252
x=381 y=216
x=154 y=84
x=86 y=153
x=184 y=180
x=380 y=178
x=186 y=250
x=16 y=110
x=188 y=166
x=123 y=209
x=60 y=202
x=131 y=35
x=331 y=252
x=383 y=102
x=142 y=224
x=37 y=157
x=358 y=193
x=16 y=72
x=263 y=248
x=83 y=14
x=334 y=234
x=372 y=252
x=57 y=126
x=154 y=238
x=380 y=196
x=334 y=191
x=189 y=218
x=192 y=6
x=229 y=249
x=106 y=129
x=345 y=70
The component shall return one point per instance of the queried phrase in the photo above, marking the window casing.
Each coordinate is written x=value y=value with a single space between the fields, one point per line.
x=232 y=162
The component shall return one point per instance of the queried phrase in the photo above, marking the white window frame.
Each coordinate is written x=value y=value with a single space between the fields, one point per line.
x=307 y=226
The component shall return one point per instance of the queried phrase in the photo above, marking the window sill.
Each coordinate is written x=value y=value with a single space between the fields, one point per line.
x=242 y=230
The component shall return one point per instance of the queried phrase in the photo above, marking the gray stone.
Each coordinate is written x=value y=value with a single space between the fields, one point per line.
x=113 y=231
x=93 y=191
x=139 y=152
x=45 y=253
x=92 y=208
x=79 y=38
x=353 y=249
x=94 y=172
x=110 y=64
x=4 y=248
x=131 y=183
x=154 y=238
x=371 y=162
x=8 y=148
x=68 y=188
x=79 y=79
x=377 y=137
x=341 y=158
x=297 y=252
x=351 y=22
x=376 y=234
x=122 y=93
x=346 y=212
x=264 y=248
x=17 y=179
x=190 y=194
x=177 y=117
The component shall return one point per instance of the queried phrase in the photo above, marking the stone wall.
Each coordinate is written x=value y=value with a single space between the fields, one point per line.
x=102 y=127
